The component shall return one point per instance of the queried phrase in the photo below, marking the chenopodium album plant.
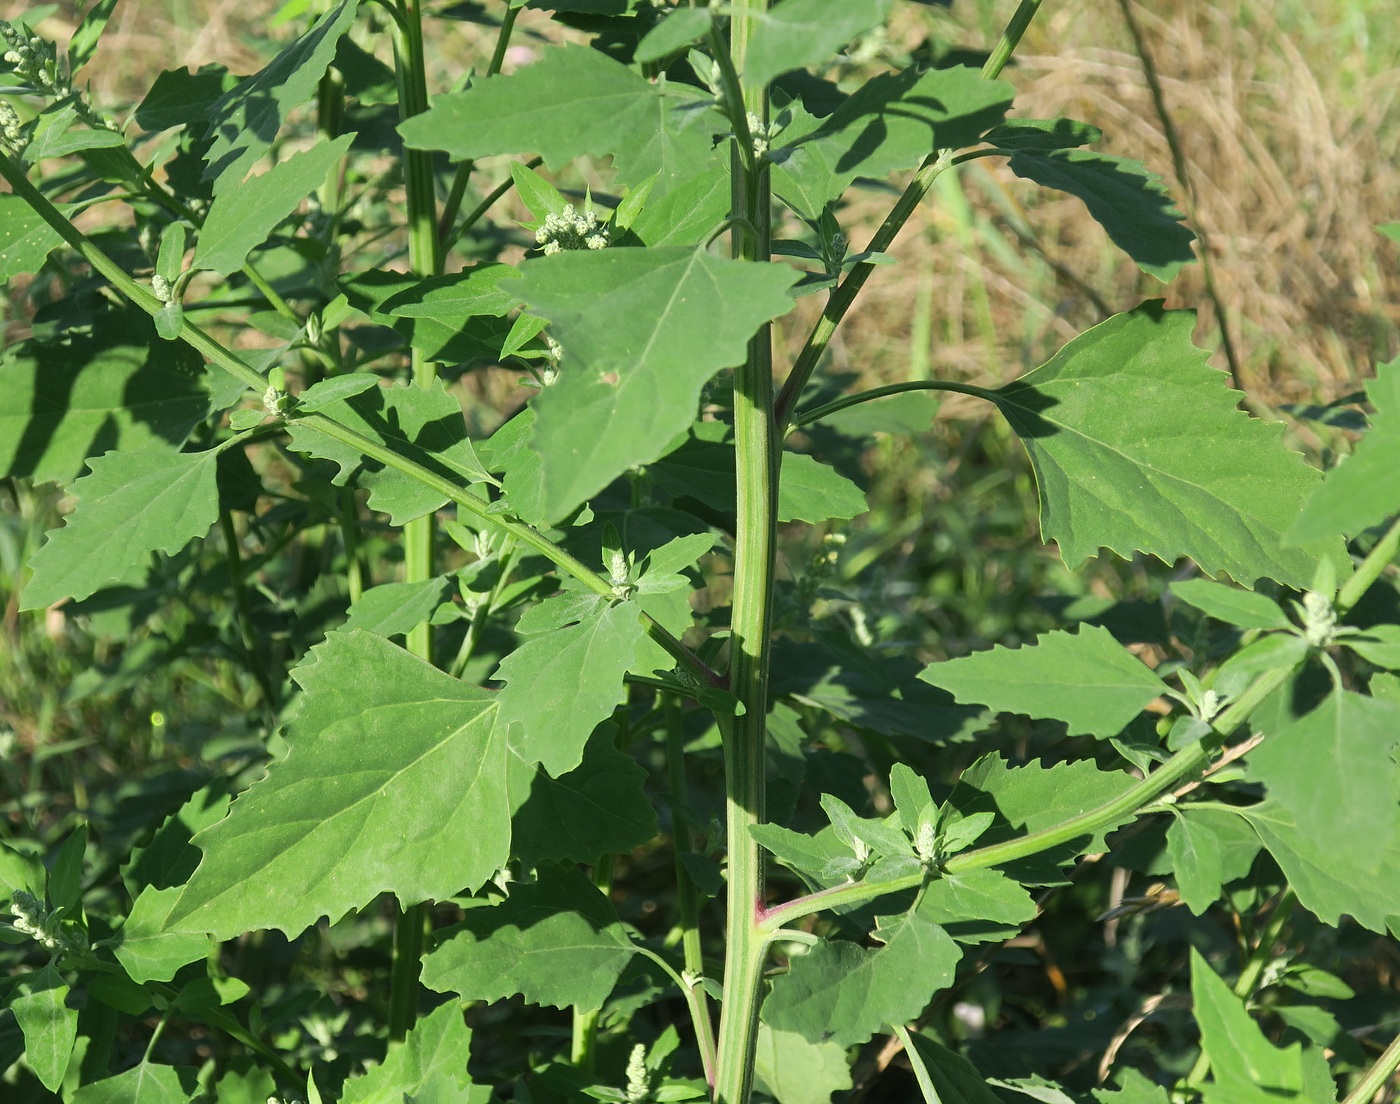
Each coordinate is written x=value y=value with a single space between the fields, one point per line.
x=559 y=706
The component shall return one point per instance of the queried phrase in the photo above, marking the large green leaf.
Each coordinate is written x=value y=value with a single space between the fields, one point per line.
x=843 y=992
x=793 y=1071
x=26 y=240
x=554 y=941
x=1124 y=198
x=892 y=123
x=424 y=424
x=240 y=219
x=50 y=1027
x=245 y=121
x=642 y=330
x=562 y=683
x=1363 y=490
x=1086 y=679
x=429 y=1064
x=1137 y=444
x=802 y=32
x=576 y=101
x=1335 y=771
x=132 y=504
x=115 y=387
x=395 y=783
x=146 y=1083
x=1245 y=1067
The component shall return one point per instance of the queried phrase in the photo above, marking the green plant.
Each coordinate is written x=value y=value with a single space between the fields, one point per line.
x=555 y=557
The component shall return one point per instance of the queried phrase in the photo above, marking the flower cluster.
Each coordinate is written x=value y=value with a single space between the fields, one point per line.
x=572 y=229
x=33 y=919
x=12 y=137
x=30 y=57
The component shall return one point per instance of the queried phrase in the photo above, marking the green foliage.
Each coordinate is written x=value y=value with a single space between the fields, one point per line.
x=662 y=746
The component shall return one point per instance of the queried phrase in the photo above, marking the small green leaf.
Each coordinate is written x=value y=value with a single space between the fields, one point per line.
x=1335 y=771
x=1196 y=861
x=677 y=30
x=430 y=1064
x=554 y=941
x=132 y=504
x=66 y=878
x=241 y=219
x=50 y=1027
x=170 y=258
x=802 y=32
x=1379 y=644
x=913 y=803
x=395 y=609
x=1123 y=197
x=1364 y=489
x=84 y=42
x=977 y=905
x=1133 y=1088
x=1088 y=680
x=245 y=121
x=1244 y=608
x=642 y=331
x=1043 y=134
x=541 y=198
x=811 y=491
x=26 y=240
x=395 y=783
x=20 y=871
x=1245 y=1067
x=1137 y=444
x=321 y=395
x=145 y=949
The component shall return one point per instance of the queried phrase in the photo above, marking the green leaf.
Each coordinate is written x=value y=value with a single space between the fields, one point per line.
x=424 y=424
x=26 y=240
x=541 y=198
x=1088 y=680
x=320 y=395
x=794 y=1071
x=913 y=802
x=1197 y=862
x=132 y=504
x=143 y=1084
x=20 y=871
x=1364 y=489
x=803 y=32
x=891 y=124
x=1133 y=1088
x=395 y=783
x=1379 y=645
x=84 y=42
x=145 y=949
x=396 y=609
x=1244 y=608
x=1335 y=771
x=1043 y=134
x=599 y=808
x=1245 y=1067
x=811 y=855
x=50 y=1027
x=561 y=684
x=642 y=331
x=242 y=218
x=245 y=121
x=554 y=941
x=846 y=993
x=1123 y=197
x=1137 y=445
x=179 y=97
x=811 y=491
x=1324 y=886
x=169 y=859
x=429 y=1064
x=954 y=1078
x=116 y=387
x=577 y=101
x=457 y=318
x=977 y=905
x=66 y=877
x=688 y=213
x=677 y=30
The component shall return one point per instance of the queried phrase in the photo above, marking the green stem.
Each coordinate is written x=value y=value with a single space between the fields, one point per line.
x=1127 y=805
x=234 y=559
x=409 y=931
x=489 y=201
x=1010 y=38
x=1376 y=561
x=827 y=409
x=1377 y=1076
x=759 y=447
x=583 y=1050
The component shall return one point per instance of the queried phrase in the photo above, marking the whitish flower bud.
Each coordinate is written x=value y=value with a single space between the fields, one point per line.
x=161 y=286
x=571 y=229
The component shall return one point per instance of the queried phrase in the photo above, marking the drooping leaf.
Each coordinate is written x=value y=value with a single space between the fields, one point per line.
x=555 y=941
x=116 y=387
x=130 y=505
x=576 y=101
x=26 y=240
x=395 y=609
x=1043 y=134
x=642 y=330
x=1136 y=444
x=146 y=1083
x=395 y=783
x=241 y=219
x=843 y=992
x=801 y=32
x=794 y=1071
x=424 y=424
x=1123 y=197
x=598 y=808
x=1086 y=679
x=50 y=1027
x=808 y=854
x=146 y=951
x=1363 y=490
x=891 y=124
x=1335 y=771
x=429 y=1064
x=245 y=121
x=1245 y=1067
x=1244 y=608
x=560 y=684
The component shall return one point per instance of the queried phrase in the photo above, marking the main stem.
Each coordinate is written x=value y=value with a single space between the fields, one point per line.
x=755 y=539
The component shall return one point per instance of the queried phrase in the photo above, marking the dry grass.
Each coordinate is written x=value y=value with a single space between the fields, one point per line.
x=1288 y=123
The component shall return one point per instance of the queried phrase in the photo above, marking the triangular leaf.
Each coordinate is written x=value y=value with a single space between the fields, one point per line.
x=1137 y=445
x=1244 y=1065
x=395 y=783
x=429 y=1064
x=802 y=32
